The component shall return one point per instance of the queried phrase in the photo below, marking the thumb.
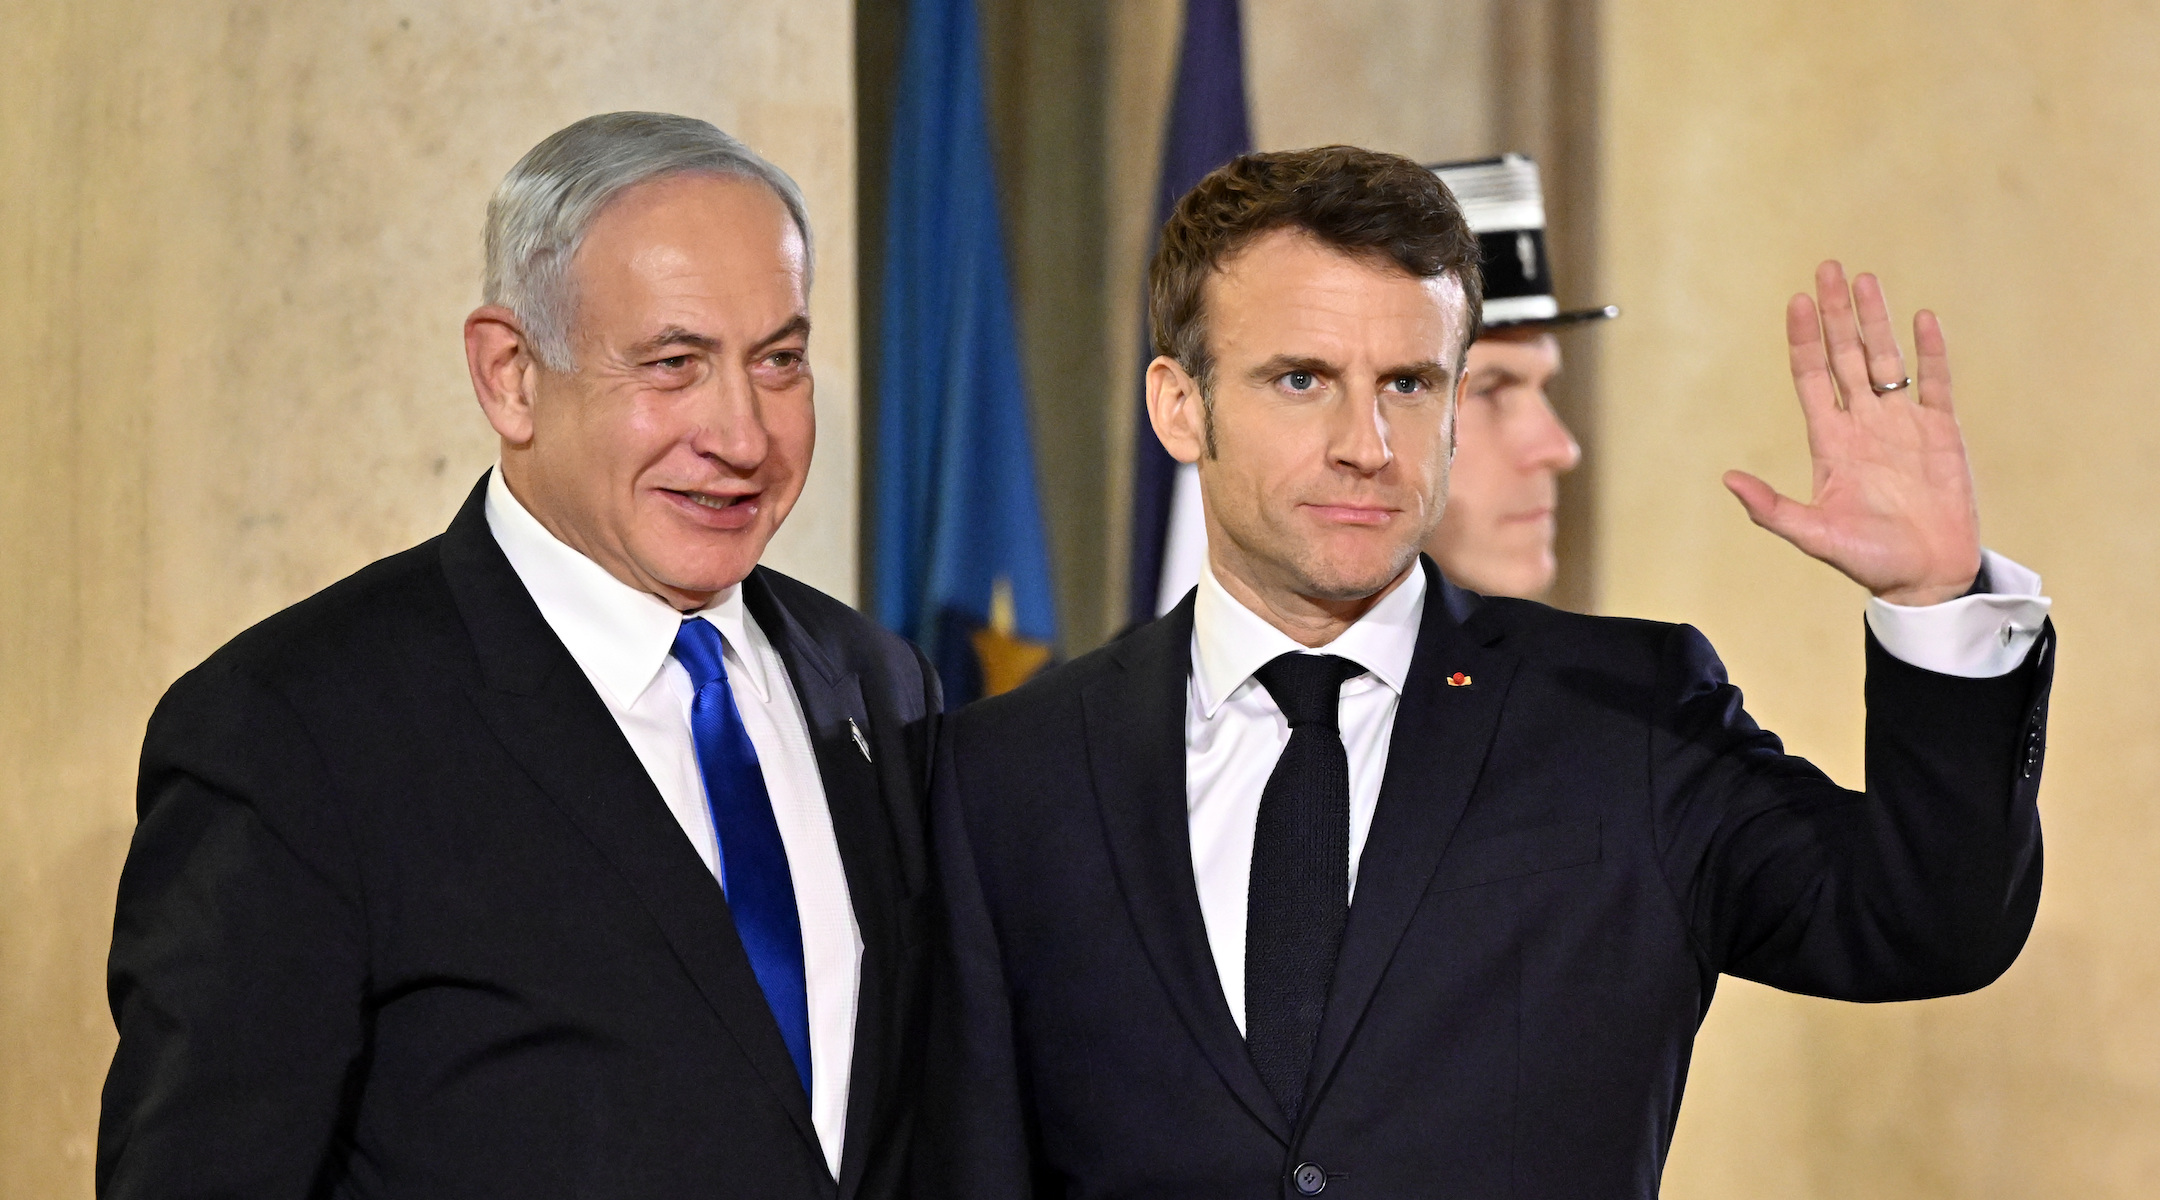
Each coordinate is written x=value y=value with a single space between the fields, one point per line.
x=1788 y=518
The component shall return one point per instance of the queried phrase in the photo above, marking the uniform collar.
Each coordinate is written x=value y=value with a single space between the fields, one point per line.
x=618 y=634
x=1230 y=641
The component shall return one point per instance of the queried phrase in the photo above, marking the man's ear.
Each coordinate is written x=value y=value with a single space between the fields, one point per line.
x=504 y=372
x=1175 y=409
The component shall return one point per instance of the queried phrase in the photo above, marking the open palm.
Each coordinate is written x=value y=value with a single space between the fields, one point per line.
x=1893 y=496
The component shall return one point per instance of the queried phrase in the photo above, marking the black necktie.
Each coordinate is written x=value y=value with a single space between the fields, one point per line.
x=1300 y=891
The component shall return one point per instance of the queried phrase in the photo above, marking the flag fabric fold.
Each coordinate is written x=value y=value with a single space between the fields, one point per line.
x=962 y=564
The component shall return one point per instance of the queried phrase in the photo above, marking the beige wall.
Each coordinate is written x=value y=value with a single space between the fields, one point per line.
x=1999 y=162
x=236 y=242
x=1412 y=78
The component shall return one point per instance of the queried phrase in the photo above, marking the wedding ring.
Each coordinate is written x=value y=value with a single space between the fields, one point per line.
x=1884 y=389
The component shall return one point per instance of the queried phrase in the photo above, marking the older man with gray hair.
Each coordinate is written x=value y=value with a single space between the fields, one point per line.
x=571 y=852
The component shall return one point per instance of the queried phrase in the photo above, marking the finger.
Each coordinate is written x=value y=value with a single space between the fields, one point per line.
x=1810 y=369
x=1841 y=334
x=1784 y=516
x=1885 y=363
x=1934 y=356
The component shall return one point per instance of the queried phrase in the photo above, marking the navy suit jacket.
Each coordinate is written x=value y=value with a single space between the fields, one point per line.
x=1569 y=849
x=404 y=915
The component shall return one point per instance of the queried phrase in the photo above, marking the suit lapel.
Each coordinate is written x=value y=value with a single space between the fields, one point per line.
x=544 y=711
x=1437 y=750
x=1136 y=752
x=831 y=699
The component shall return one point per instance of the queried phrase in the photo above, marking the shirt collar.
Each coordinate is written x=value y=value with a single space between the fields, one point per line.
x=1230 y=641
x=618 y=634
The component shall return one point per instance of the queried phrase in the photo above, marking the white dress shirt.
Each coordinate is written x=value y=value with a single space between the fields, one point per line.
x=1234 y=732
x=624 y=640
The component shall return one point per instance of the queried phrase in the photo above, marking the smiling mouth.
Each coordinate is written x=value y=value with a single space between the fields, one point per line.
x=700 y=498
x=711 y=500
x=717 y=510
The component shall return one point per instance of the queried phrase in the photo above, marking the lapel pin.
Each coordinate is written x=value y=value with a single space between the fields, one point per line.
x=1458 y=679
x=861 y=743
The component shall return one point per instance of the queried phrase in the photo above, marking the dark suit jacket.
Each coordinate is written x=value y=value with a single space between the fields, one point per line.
x=405 y=916
x=1567 y=852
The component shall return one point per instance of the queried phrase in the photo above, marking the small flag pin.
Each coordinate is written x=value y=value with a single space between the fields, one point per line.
x=861 y=743
x=1458 y=679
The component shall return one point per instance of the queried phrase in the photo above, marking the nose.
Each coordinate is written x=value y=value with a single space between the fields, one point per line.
x=1358 y=432
x=1546 y=443
x=731 y=421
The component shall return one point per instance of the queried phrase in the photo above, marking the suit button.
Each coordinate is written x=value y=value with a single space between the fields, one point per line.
x=1309 y=1178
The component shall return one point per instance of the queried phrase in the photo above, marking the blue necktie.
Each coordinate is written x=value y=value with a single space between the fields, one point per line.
x=753 y=861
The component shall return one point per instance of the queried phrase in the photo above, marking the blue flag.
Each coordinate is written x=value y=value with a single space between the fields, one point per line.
x=962 y=564
x=1207 y=128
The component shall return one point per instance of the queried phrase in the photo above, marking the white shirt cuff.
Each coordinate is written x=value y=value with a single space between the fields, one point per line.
x=1976 y=637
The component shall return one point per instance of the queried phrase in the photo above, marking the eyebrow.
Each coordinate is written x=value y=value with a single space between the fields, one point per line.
x=797 y=326
x=1430 y=368
x=676 y=335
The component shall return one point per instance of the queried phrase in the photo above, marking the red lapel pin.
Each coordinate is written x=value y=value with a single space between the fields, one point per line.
x=1458 y=679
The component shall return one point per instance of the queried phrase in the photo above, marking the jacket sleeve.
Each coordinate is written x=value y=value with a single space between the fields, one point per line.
x=1925 y=884
x=978 y=1142
x=238 y=965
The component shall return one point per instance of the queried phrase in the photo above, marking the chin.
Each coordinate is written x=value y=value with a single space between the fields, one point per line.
x=1354 y=577
x=699 y=574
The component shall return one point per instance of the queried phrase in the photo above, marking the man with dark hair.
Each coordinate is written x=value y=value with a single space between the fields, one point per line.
x=1340 y=879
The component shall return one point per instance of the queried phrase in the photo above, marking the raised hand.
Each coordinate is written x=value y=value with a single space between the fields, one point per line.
x=1893 y=506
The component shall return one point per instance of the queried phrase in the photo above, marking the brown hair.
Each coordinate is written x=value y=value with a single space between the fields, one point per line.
x=1361 y=202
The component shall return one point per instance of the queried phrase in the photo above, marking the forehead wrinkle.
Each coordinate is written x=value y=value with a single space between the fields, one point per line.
x=1338 y=348
x=1332 y=308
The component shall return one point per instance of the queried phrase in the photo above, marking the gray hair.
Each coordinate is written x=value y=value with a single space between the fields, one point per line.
x=541 y=211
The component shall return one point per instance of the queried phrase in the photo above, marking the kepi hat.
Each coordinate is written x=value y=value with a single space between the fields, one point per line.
x=1503 y=199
